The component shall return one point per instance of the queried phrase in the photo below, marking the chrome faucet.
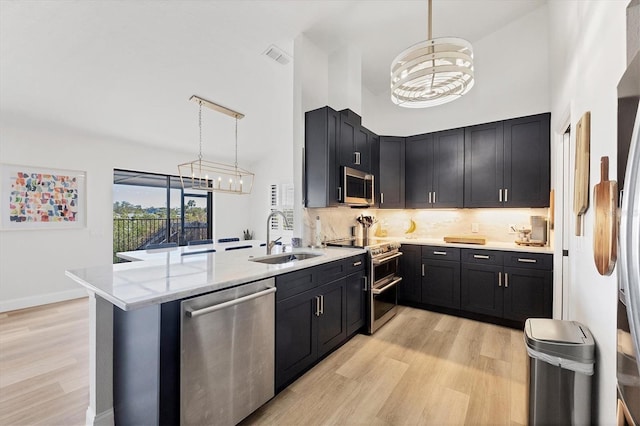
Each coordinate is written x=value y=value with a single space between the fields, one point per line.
x=270 y=243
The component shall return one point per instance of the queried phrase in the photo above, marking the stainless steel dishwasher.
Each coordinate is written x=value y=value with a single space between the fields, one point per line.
x=227 y=354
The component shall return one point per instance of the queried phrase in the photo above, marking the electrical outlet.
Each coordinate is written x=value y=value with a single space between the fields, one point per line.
x=513 y=226
x=475 y=228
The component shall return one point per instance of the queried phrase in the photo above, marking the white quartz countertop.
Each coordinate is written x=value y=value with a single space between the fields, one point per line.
x=491 y=245
x=166 y=275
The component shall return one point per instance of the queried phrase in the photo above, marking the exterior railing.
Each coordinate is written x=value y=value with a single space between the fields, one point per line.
x=135 y=233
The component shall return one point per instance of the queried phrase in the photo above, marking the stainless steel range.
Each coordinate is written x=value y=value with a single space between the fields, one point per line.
x=382 y=285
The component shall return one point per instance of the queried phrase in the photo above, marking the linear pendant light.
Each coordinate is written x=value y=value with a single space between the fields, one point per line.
x=432 y=72
x=210 y=176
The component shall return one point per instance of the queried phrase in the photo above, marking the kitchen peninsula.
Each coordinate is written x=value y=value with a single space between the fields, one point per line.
x=136 y=320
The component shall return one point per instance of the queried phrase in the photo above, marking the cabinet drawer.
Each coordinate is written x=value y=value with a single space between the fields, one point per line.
x=295 y=283
x=528 y=260
x=485 y=257
x=441 y=253
x=354 y=264
x=330 y=271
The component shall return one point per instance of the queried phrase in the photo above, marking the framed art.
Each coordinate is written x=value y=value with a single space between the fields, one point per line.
x=41 y=198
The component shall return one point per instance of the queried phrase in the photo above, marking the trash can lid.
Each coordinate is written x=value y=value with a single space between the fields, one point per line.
x=564 y=339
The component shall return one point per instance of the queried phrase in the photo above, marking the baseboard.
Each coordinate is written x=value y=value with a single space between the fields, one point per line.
x=41 y=299
x=106 y=418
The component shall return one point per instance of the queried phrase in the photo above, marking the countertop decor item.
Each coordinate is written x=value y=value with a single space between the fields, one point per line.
x=432 y=72
x=466 y=239
x=581 y=172
x=41 y=198
x=605 y=200
x=210 y=176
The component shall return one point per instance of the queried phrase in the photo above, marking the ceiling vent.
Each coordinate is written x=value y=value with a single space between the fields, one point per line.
x=277 y=55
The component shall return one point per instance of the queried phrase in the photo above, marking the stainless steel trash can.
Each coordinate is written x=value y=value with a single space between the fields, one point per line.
x=561 y=361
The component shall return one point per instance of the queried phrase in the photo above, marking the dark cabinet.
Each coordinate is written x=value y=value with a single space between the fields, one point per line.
x=507 y=163
x=410 y=288
x=435 y=170
x=354 y=144
x=510 y=285
x=441 y=276
x=322 y=168
x=391 y=181
x=316 y=310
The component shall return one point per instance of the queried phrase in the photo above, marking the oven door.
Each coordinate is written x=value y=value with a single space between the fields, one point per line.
x=384 y=290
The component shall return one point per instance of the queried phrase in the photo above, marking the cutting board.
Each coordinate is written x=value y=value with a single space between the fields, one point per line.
x=605 y=201
x=465 y=239
x=581 y=170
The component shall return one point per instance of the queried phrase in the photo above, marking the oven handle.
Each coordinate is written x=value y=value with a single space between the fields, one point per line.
x=380 y=261
x=377 y=291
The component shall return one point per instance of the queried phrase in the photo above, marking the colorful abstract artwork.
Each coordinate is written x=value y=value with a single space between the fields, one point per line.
x=36 y=198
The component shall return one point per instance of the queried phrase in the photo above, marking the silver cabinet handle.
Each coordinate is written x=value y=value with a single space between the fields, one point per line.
x=500 y=195
x=214 y=308
x=358 y=263
x=317 y=306
x=434 y=197
x=357 y=158
x=423 y=269
x=506 y=280
x=480 y=256
x=429 y=197
x=382 y=198
x=527 y=260
x=339 y=193
x=322 y=300
x=365 y=283
x=499 y=279
x=440 y=253
x=506 y=195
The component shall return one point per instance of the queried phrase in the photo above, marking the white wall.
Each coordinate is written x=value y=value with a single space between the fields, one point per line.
x=587 y=51
x=512 y=80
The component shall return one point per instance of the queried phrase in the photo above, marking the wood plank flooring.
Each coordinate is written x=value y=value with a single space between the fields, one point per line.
x=44 y=364
x=422 y=368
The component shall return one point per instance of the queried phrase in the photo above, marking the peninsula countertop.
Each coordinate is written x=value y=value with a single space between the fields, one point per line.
x=166 y=275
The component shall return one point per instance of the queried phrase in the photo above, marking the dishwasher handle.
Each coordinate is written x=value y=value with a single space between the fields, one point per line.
x=194 y=313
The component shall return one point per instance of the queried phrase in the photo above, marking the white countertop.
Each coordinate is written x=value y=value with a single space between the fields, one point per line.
x=177 y=252
x=491 y=245
x=165 y=275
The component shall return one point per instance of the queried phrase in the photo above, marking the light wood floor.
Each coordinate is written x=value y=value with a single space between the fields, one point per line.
x=44 y=364
x=421 y=368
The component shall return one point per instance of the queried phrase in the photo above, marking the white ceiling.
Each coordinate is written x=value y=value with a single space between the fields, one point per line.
x=126 y=69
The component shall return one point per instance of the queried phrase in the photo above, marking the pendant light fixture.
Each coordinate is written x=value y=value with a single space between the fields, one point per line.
x=210 y=176
x=432 y=72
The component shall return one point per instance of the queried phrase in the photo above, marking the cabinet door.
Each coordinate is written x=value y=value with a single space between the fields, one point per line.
x=483 y=165
x=347 y=143
x=527 y=161
x=362 y=150
x=392 y=168
x=355 y=302
x=410 y=288
x=419 y=171
x=322 y=170
x=481 y=289
x=448 y=169
x=441 y=283
x=527 y=293
x=332 y=322
x=296 y=336
x=374 y=147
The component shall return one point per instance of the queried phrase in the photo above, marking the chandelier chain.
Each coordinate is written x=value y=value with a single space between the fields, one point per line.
x=236 y=163
x=200 y=128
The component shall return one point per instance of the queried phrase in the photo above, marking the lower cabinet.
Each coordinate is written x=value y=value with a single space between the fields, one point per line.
x=505 y=285
x=314 y=317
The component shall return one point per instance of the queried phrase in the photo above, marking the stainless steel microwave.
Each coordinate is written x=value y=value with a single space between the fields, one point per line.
x=356 y=187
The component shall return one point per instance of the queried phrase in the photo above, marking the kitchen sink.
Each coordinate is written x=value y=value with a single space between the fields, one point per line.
x=275 y=259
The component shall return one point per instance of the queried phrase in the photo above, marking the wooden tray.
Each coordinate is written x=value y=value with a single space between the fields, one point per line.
x=531 y=243
x=465 y=239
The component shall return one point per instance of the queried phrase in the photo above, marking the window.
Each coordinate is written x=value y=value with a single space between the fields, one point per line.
x=151 y=208
x=281 y=198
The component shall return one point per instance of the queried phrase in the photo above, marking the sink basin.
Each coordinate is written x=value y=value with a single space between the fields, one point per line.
x=275 y=259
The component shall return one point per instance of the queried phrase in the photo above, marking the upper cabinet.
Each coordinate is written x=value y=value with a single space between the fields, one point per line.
x=334 y=139
x=391 y=180
x=434 y=175
x=507 y=163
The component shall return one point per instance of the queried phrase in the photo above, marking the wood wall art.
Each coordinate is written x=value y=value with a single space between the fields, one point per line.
x=581 y=171
x=605 y=202
x=41 y=198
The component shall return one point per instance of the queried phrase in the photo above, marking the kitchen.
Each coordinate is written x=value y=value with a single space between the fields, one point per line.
x=551 y=67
